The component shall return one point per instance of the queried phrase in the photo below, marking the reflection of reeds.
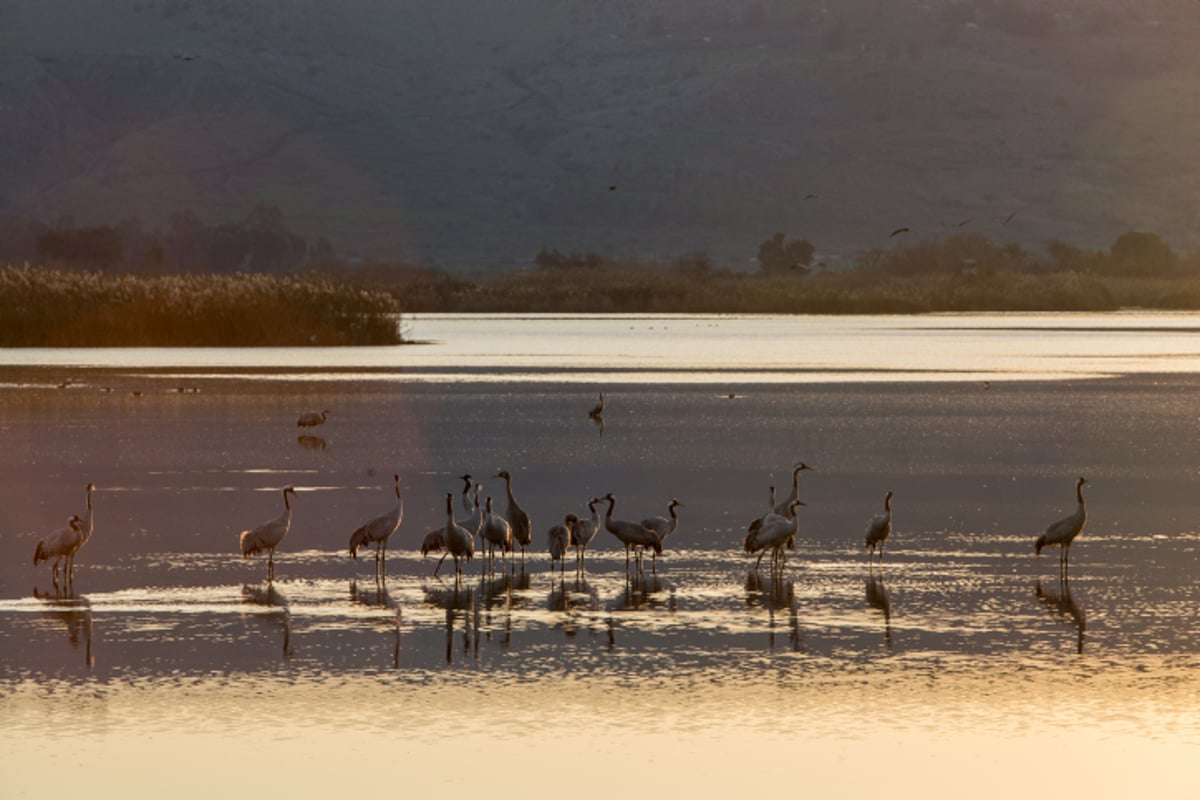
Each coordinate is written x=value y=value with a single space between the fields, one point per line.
x=56 y=308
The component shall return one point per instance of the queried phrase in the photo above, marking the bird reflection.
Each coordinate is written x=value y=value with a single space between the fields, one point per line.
x=877 y=598
x=457 y=601
x=75 y=613
x=379 y=598
x=776 y=594
x=598 y=423
x=310 y=442
x=571 y=596
x=1061 y=601
x=644 y=592
x=271 y=597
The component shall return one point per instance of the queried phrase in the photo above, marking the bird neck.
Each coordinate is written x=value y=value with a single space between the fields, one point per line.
x=887 y=504
x=287 y=503
x=1078 y=493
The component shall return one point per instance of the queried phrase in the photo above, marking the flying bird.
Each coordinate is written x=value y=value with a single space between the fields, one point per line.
x=1063 y=532
x=1008 y=219
x=268 y=535
x=880 y=527
x=899 y=231
x=963 y=223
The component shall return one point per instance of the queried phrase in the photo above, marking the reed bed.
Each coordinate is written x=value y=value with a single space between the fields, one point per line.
x=857 y=291
x=42 y=307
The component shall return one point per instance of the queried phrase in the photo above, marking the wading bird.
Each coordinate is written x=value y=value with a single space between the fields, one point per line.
x=59 y=545
x=584 y=531
x=312 y=419
x=559 y=538
x=757 y=522
x=496 y=531
x=64 y=543
x=773 y=534
x=663 y=527
x=459 y=540
x=631 y=534
x=879 y=527
x=467 y=505
x=1063 y=532
x=522 y=529
x=379 y=530
x=268 y=535
x=598 y=409
x=782 y=508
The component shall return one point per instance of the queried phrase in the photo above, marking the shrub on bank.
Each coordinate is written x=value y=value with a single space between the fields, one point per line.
x=57 y=308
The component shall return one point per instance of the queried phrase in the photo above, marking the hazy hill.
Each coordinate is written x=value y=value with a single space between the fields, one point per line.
x=476 y=131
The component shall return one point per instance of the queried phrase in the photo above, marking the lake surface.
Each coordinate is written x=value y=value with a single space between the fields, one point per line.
x=962 y=663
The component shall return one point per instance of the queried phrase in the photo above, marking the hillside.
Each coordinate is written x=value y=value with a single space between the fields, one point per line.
x=471 y=132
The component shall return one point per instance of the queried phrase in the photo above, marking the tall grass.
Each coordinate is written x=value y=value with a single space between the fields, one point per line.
x=857 y=291
x=56 y=308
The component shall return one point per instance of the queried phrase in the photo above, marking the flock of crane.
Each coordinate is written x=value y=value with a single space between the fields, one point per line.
x=773 y=532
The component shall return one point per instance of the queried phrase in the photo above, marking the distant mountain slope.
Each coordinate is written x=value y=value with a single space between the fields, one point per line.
x=468 y=132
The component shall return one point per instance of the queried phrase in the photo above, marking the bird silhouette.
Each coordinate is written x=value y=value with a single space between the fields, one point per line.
x=663 y=527
x=496 y=532
x=312 y=419
x=58 y=544
x=559 y=539
x=631 y=534
x=269 y=534
x=880 y=527
x=773 y=534
x=522 y=527
x=62 y=544
x=459 y=541
x=379 y=530
x=1008 y=219
x=898 y=231
x=584 y=531
x=1062 y=533
x=597 y=410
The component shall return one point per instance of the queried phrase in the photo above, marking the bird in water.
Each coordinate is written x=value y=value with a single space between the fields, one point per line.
x=662 y=526
x=268 y=535
x=59 y=544
x=776 y=530
x=880 y=527
x=459 y=540
x=522 y=527
x=559 y=538
x=379 y=530
x=782 y=508
x=312 y=419
x=1063 y=532
x=64 y=543
x=467 y=503
x=756 y=523
x=598 y=409
x=496 y=531
x=584 y=531
x=631 y=534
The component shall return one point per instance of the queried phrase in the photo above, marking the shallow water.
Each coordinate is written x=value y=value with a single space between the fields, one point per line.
x=962 y=656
